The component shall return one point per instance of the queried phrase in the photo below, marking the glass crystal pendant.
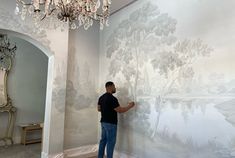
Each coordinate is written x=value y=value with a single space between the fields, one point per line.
x=75 y=12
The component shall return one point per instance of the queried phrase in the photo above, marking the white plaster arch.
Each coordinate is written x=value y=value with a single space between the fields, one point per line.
x=27 y=38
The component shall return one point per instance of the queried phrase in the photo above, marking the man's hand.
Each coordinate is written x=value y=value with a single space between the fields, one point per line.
x=131 y=104
x=120 y=109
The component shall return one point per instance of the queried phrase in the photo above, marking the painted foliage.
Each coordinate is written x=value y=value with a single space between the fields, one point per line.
x=179 y=108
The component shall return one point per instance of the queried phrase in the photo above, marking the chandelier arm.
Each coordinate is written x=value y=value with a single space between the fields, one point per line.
x=44 y=16
x=62 y=5
x=51 y=11
x=101 y=16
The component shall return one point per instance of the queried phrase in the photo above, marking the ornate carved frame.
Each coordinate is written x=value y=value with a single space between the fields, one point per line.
x=7 y=53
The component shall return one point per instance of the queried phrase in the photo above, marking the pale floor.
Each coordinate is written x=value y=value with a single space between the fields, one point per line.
x=21 y=151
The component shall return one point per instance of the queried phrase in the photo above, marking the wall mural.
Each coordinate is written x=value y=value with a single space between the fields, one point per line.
x=180 y=113
x=81 y=100
x=81 y=92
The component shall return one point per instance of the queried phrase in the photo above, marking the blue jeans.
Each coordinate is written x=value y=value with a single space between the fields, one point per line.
x=108 y=137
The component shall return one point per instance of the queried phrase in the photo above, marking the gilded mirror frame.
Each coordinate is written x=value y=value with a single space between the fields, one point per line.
x=7 y=53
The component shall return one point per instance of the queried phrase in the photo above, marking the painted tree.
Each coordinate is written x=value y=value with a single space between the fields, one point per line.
x=144 y=41
x=80 y=92
x=131 y=45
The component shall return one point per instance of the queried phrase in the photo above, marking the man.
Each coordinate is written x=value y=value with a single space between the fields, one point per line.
x=109 y=107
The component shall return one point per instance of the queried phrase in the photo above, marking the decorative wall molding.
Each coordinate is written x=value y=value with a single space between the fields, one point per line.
x=45 y=155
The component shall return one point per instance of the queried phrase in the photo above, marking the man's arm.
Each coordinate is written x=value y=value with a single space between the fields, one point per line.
x=98 y=108
x=121 y=109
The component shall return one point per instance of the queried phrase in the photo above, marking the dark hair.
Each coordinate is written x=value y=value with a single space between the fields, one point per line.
x=108 y=84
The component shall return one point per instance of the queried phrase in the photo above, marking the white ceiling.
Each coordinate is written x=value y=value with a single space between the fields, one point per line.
x=119 y=4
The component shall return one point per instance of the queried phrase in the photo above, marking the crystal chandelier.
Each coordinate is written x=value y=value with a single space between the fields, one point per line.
x=7 y=52
x=76 y=12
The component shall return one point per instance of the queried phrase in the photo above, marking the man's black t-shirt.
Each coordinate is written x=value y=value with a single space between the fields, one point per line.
x=107 y=104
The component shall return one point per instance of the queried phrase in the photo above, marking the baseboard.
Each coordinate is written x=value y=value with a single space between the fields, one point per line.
x=118 y=154
x=90 y=151
x=45 y=155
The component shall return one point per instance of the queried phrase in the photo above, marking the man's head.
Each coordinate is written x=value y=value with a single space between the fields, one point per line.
x=110 y=87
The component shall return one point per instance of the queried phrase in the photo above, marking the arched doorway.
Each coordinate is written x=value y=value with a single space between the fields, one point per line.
x=49 y=88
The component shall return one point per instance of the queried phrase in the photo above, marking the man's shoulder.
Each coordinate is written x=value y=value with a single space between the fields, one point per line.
x=103 y=95
x=107 y=95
